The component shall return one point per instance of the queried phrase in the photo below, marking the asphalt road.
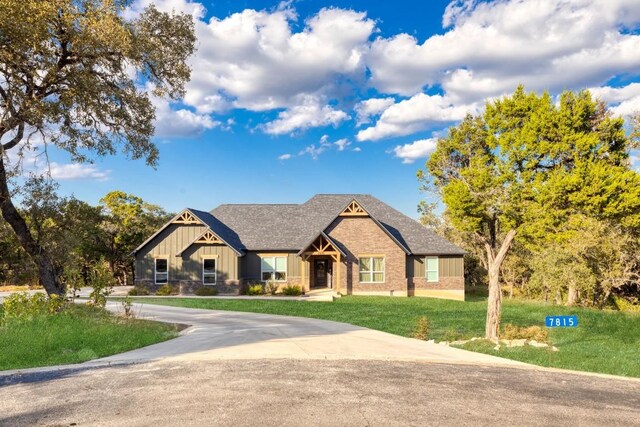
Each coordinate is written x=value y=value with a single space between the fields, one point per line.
x=315 y=393
x=253 y=369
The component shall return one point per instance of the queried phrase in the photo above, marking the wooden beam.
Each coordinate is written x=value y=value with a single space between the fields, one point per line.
x=186 y=218
x=338 y=275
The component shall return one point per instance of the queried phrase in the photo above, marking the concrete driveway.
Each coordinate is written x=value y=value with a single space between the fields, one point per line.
x=251 y=369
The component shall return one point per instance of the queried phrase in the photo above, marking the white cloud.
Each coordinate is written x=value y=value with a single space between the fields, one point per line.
x=493 y=46
x=75 y=171
x=369 y=108
x=197 y=10
x=255 y=60
x=419 y=149
x=179 y=122
x=415 y=114
x=284 y=157
x=310 y=113
x=341 y=144
x=623 y=101
x=357 y=149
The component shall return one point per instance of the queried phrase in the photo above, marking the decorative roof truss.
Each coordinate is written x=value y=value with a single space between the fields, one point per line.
x=354 y=209
x=208 y=238
x=186 y=217
x=322 y=247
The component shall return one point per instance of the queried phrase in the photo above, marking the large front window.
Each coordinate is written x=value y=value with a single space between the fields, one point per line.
x=209 y=271
x=274 y=268
x=372 y=270
x=161 y=270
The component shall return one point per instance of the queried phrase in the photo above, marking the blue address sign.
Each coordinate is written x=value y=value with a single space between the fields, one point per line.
x=561 y=321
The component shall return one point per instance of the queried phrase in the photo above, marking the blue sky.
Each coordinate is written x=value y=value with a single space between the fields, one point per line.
x=296 y=98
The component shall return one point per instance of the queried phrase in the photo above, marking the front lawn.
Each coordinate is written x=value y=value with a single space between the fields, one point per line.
x=77 y=334
x=606 y=341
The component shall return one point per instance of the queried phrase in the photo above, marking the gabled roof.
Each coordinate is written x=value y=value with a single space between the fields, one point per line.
x=292 y=227
x=329 y=239
x=206 y=219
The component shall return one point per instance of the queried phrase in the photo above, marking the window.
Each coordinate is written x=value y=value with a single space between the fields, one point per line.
x=208 y=271
x=431 y=267
x=372 y=270
x=161 y=270
x=274 y=268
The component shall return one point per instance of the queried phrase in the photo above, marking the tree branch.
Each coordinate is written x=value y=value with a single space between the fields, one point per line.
x=16 y=139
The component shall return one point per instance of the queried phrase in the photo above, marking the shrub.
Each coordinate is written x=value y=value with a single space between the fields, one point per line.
x=23 y=306
x=272 y=288
x=127 y=306
x=138 y=291
x=422 y=329
x=102 y=282
x=206 y=291
x=292 y=290
x=255 y=290
x=624 y=304
x=512 y=332
x=166 y=290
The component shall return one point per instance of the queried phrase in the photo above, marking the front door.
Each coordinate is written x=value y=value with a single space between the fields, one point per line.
x=320 y=276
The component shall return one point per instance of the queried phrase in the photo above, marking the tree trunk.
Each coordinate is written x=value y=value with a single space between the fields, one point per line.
x=572 y=298
x=494 y=302
x=46 y=270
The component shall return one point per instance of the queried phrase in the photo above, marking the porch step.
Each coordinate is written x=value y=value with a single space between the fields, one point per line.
x=322 y=294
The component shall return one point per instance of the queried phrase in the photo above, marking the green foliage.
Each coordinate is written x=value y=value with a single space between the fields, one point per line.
x=513 y=332
x=559 y=174
x=624 y=304
x=139 y=291
x=102 y=282
x=292 y=290
x=206 y=291
x=422 y=329
x=257 y=289
x=74 y=335
x=22 y=306
x=272 y=288
x=166 y=290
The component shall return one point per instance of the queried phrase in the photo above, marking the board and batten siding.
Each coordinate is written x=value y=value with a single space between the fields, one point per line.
x=448 y=266
x=251 y=267
x=188 y=266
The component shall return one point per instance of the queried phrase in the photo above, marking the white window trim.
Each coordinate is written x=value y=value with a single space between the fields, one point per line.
x=274 y=271
x=427 y=271
x=215 y=272
x=155 y=271
x=372 y=271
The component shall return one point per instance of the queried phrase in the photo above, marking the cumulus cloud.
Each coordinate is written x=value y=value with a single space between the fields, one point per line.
x=493 y=46
x=179 y=122
x=369 y=108
x=256 y=61
x=415 y=114
x=419 y=149
x=286 y=156
x=623 y=101
x=310 y=113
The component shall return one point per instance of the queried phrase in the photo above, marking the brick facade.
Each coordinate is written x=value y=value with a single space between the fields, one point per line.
x=362 y=236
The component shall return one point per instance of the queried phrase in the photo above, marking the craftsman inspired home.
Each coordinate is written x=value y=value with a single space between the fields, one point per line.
x=351 y=243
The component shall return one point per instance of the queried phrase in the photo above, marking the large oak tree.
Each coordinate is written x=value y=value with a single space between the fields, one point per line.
x=77 y=72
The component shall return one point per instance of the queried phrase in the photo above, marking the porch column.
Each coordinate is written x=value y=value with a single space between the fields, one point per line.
x=338 y=275
x=302 y=273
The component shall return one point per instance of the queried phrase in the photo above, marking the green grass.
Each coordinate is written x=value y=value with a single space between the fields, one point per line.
x=76 y=335
x=606 y=341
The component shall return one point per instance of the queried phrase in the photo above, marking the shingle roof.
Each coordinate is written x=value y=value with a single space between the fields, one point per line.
x=290 y=226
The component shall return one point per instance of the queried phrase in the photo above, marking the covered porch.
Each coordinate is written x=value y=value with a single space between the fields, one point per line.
x=323 y=259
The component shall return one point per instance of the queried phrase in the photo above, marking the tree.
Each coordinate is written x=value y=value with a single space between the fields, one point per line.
x=128 y=220
x=66 y=68
x=524 y=165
